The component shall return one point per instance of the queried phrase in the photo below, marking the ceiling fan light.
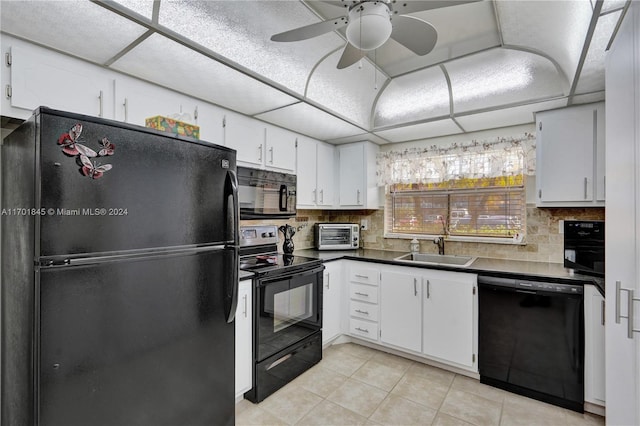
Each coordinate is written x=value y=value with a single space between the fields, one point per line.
x=370 y=27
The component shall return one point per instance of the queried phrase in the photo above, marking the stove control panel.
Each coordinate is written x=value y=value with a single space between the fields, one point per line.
x=258 y=235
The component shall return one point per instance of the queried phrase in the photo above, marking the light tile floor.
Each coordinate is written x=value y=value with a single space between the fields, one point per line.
x=356 y=385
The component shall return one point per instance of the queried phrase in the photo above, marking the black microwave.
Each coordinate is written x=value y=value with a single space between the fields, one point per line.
x=584 y=246
x=265 y=194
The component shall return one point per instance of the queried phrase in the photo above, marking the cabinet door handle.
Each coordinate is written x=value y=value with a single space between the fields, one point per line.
x=358 y=196
x=630 y=313
x=100 y=98
x=126 y=110
x=260 y=153
x=245 y=306
x=271 y=155
x=602 y=312
x=322 y=195
x=364 y=330
x=362 y=312
x=415 y=286
x=361 y=294
x=428 y=289
x=315 y=196
x=585 y=188
x=362 y=276
x=328 y=281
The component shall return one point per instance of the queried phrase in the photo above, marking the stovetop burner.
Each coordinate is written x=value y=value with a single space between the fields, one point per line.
x=258 y=253
x=275 y=262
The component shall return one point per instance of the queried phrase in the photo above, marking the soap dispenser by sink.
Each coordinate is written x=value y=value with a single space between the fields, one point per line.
x=414 y=246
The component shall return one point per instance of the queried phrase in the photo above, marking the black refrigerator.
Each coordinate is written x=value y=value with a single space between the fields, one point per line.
x=119 y=275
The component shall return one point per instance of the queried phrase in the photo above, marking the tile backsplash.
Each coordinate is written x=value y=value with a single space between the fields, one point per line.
x=544 y=242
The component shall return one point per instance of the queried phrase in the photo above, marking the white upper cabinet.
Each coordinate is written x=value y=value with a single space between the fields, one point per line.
x=260 y=145
x=570 y=157
x=40 y=77
x=247 y=136
x=315 y=165
x=280 y=149
x=137 y=100
x=325 y=174
x=357 y=176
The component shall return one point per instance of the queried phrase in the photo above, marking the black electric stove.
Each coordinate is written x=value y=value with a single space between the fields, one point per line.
x=287 y=313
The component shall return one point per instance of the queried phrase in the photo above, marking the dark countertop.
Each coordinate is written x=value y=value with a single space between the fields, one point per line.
x=536 y=271
x=245 y=275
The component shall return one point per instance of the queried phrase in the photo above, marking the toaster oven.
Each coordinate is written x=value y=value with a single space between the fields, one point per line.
x=337 y=236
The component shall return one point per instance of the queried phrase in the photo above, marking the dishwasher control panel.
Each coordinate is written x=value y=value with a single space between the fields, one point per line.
x=550 y=287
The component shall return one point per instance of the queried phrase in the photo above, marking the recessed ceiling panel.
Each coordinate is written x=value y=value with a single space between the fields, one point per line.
x=608 y=5
x=142 y=7
x=412 y=97
x=241 y=31
x=80 y=28
x=349 y=92
x=187 y=71
x=500 y=77
x=420 y=131
x=462 y=29
x=308 y=120
x=507 y=117
x=592 y=75
x=556 y=28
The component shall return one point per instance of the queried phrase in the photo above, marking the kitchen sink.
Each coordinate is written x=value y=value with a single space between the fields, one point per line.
x=436 y=259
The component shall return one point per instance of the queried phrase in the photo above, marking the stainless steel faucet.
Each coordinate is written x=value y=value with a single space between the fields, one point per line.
x=440 y=242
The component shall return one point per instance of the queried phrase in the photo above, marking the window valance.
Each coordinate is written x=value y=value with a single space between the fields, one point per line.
x=475 y=159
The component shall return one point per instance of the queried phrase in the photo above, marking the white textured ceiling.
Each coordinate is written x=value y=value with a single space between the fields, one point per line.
x=495 y=63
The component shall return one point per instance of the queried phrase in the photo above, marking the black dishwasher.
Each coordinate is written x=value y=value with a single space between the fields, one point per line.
x=531 y=339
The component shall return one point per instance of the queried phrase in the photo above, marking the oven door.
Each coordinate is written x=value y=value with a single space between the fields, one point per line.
x=288 y=309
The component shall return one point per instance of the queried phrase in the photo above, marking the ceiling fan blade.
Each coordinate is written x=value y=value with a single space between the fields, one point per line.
x=350 y=55
x=415 y=34
x=310 y=31
x=340 y=3
x=411 y=6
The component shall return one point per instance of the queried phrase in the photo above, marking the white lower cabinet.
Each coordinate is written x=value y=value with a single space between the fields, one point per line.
x=450 y=317
x=429 y=313
x=594 y=360
x=332 y=301
x=244 y=339
x=401 y=309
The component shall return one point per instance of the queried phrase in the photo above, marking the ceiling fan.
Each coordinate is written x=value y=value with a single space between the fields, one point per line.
x=370 y=23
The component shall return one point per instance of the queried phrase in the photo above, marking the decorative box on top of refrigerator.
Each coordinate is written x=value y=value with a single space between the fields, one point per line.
x=171 y=125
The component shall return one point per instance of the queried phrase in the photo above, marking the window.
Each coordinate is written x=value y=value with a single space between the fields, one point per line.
x=483 y=207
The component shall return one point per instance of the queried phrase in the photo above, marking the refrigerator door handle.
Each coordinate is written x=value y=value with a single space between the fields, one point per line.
x=231 y=197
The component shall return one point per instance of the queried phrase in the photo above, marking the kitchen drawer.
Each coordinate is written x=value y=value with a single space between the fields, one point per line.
x=364 y=275
x=363 y=310
x=363 y=328
x=363 y=292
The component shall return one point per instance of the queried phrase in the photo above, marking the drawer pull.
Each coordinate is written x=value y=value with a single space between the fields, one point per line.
x=362 y=330
x=361 y=294
x=362 y=276
x=362 y=312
